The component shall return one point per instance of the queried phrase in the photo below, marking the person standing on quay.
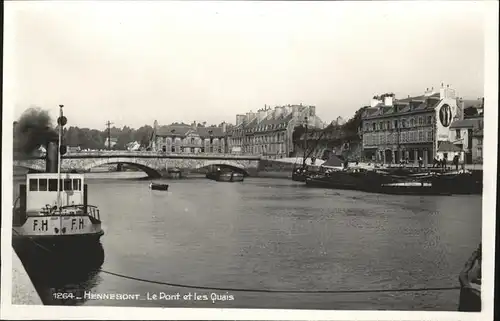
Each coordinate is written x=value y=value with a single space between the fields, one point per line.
x=455 y=162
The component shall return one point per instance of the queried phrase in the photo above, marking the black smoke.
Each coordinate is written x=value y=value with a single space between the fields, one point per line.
x=33 y=129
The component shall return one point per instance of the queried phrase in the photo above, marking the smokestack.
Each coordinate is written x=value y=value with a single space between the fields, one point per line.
x=51 y=158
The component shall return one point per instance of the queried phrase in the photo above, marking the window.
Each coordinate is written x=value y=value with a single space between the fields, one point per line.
x=395 y=124
x=457 y=133
x=68 y=186
x=33 y=185
x=77 y=184
x=420 y=121
x=52 y=185
x=42 y=185
x=429 y=120
x=192 y=140
x=173 y=149
x=373 y=127
x=421 y=136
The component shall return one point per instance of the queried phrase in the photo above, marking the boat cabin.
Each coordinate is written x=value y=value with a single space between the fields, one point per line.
x=41 y=188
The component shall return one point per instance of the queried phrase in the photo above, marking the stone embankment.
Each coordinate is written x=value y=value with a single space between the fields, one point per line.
x=23 y=290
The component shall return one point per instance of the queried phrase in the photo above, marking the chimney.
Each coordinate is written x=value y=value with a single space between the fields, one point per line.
x=388 y=100
x=278 y=111
x=261 y=114
x=312 y=111
x=51 y=157
x=224 y=127
x=374 y=102
x=240 y=119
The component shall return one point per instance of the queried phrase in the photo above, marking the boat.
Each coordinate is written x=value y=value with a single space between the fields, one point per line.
x=174 y=173
x=470 y=283
x=225 y=176
x=158 y=187
x=52 y=215
x=379 y=181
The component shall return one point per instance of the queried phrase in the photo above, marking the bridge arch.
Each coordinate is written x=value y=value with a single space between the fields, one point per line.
x=134 y=162
x=223 y=163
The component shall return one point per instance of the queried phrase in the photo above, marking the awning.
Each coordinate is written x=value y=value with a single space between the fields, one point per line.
x=447 y=146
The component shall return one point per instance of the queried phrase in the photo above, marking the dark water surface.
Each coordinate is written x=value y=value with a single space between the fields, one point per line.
x=277 y=234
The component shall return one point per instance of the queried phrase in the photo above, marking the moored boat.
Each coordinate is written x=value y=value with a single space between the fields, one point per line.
x=470 y=283
x=225 y=176
x=158 y=187
x=51 y=215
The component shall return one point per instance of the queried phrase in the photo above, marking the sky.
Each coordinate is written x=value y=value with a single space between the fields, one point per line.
x=135 y=62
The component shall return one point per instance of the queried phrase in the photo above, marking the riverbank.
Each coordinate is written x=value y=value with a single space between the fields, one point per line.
x=23 y=290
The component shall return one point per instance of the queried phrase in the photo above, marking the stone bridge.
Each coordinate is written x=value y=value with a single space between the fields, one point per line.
x=152 y=163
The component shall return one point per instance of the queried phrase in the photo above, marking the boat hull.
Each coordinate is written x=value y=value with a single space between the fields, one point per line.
x=373 y=182
x=72 y=251
x=159 y=187
x=226 y=177
x=470 y=284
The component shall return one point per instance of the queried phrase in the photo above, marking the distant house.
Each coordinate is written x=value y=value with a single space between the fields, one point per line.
x=183 y=138
x=112 y=144
x=133 y=146
x=467 y=137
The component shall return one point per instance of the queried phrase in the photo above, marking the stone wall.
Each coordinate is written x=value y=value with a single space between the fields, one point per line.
x=152 y=166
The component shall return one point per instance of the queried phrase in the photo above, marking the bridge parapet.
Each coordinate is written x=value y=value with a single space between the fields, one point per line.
x=148 y=154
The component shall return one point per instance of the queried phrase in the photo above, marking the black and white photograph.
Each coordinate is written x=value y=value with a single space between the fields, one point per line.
x=249 y=160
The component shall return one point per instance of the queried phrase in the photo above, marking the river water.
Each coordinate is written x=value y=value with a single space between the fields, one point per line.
x=277 y=234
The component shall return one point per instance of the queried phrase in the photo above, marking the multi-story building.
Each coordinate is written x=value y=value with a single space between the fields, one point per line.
x=269 y=132
x=409 y=128
x=466 y=135
x=183 y=138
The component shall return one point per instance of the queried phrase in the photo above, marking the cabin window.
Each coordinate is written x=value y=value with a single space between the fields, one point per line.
x=52 y=185
x=33 y=185
x=42 y=185
x=68 y=186
x=76 y=185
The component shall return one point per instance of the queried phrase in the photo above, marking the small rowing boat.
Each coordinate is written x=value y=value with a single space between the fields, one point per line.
x=158 y=187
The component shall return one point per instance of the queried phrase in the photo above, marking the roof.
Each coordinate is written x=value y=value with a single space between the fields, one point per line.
x=404 y=105
x=182 y=130
x=333 y=161
x=466 y=123
x=467 y=103
x=447 y=146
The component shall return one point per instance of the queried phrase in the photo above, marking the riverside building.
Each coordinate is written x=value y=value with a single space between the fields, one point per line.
x=268 y=132
x=189 y=139
x=409 y=128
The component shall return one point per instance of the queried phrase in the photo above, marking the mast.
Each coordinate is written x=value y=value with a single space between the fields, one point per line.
x=305 y=146
x=59 y=157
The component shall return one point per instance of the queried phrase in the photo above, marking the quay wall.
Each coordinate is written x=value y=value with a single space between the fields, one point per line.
x=23 y=290
x=269 y=168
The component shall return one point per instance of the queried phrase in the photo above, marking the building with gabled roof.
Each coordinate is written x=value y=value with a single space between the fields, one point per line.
x=184 y=138
x=268 y=132
x=409 y=128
